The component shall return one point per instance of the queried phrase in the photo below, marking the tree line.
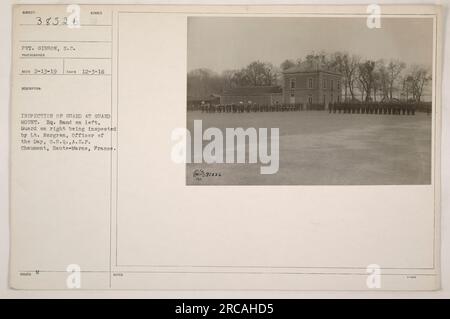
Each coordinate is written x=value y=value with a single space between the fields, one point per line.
x=362 y=79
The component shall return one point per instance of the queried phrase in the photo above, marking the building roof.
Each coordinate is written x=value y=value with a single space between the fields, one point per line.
x=307 y=68
x=253 y=90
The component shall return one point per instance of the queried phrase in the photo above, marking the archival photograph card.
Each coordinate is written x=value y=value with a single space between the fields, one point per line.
x=242 y=148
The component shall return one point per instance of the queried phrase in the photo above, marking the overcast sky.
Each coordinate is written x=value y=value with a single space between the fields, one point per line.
x=222 y=43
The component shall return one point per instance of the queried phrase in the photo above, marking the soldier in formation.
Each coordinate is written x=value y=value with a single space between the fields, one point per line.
x=391 y=108
x=374 y=108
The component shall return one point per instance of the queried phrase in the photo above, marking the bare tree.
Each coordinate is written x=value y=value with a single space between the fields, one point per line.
x=260 y=74
x=240 y=78
x=271 y=74
x=255 y=74
x=406 y=87
x=347 y=65
x=394 y=68
x=360 y=88
x=366 y=77
x=227 y=77
x=350 y=71
x=383 y=79
x=416 y=80
x=377 y=85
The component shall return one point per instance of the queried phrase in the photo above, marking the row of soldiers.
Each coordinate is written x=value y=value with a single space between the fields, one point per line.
x=356 y=108
x=254 y=107
x=374 y=108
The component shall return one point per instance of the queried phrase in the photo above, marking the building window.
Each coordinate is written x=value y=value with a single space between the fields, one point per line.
x=338 y=85
x=331 y=84
x=292 y=84
x=310 y=100
x=292 y=94
x=324 y=83
x=310 y=83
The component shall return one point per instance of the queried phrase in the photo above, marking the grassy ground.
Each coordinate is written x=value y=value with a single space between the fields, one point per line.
x=318 y=148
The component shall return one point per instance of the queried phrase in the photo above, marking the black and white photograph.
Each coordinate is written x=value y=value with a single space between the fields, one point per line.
x=309 y=101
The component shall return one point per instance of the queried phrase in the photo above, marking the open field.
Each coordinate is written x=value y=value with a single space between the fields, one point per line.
x=318 y=148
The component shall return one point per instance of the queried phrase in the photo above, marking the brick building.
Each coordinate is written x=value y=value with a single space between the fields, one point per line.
x=311 y=85
x=301 y=84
